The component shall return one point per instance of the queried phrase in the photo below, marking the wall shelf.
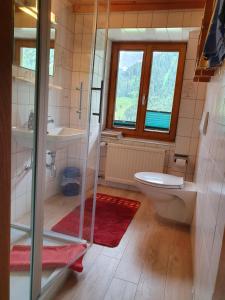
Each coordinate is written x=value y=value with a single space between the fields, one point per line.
x=202 y=72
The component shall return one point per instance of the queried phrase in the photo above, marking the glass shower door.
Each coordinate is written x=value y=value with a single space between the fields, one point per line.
x=69 y=205
x=95 y=119
x=29 y=131
x=23 y=152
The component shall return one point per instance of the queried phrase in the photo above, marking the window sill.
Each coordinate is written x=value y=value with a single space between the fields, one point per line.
x=129 y=140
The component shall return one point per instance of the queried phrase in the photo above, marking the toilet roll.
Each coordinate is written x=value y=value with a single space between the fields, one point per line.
x=180 y=162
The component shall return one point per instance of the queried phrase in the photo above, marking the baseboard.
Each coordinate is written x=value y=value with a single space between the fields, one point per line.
x=102 y=181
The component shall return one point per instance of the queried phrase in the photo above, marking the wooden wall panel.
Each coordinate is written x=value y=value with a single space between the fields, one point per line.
x=6 y=17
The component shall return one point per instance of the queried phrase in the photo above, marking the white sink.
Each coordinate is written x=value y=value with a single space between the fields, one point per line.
x=57 y=138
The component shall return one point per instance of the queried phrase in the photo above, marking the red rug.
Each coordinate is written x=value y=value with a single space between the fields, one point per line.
x=113 y=216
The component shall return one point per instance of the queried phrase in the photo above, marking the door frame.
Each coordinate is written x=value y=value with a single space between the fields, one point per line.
x=6 y=56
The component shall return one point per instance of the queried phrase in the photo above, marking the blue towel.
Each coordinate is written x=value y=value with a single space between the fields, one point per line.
x=214 y=49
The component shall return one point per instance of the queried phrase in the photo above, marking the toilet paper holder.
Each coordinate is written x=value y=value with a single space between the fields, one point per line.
x=182 y=157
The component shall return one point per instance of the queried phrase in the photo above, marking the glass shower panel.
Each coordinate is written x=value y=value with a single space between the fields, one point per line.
x=63 y=167
x=74 y=109
x=95 y=118
x=68 y=111
x=23 y=141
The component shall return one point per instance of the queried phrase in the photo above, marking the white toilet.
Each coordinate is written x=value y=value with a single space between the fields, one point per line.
x=173 y=198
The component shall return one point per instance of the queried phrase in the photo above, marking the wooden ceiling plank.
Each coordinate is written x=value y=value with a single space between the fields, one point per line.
x=142 y=5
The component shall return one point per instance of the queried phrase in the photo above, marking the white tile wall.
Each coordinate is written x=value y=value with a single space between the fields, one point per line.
x=83 y=47
x=144 y=20
x=156 y=19
x=116 y=20
x=60 y=97
x=209 y=221
x=160 y=19
x=59 y=109
x=130 y=20
x=191 y=107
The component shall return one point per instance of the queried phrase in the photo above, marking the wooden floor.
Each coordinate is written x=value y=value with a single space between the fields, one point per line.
x=152 y=262
x=55 y=208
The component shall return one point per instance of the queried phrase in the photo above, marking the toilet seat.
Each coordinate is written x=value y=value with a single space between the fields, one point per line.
x=160 y=180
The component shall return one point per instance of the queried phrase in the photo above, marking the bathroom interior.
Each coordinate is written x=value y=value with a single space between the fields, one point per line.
x=113 y=101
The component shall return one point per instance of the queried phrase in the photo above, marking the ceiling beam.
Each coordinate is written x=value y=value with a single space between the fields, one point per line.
x=122 y=6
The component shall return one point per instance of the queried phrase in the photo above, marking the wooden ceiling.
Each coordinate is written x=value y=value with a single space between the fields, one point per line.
x=139 y=5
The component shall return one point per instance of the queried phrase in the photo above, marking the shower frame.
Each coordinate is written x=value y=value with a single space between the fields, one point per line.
x=36 y=230
x=6 y=51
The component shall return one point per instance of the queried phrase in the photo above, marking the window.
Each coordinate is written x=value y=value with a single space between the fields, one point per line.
x=127 y=89
x=25 y=54
x=28 y=59
x=145 y=88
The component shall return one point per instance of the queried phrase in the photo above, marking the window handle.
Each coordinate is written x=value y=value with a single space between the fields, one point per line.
x=143 y=101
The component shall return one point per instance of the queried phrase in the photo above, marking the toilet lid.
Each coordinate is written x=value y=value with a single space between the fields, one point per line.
x=160 y=180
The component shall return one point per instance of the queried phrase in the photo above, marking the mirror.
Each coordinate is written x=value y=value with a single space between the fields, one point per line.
x=25 y=36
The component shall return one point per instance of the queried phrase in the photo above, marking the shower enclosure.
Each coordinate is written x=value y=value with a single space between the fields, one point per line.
x=58 y=73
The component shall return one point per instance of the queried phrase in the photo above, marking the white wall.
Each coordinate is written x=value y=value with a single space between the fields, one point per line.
x=192 y=97
x=82 y=55
x=59 y=109
x=60 y=98
x=82 y=72
x=208 y=225
x=22 y=103
x=156 y=19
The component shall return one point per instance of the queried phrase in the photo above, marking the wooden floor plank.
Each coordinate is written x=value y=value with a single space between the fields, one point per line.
x=93 y=283
x=179 y=275
x=153 y=278
x=121 y=290
x=132 y=260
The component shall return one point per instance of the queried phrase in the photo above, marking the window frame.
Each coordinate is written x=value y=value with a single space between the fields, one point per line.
x=148 y=48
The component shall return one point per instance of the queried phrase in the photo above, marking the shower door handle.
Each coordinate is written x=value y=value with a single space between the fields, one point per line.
x=79 y=111
x=99 y=114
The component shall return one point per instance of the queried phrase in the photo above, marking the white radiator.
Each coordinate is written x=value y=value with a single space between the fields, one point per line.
x=123 y=161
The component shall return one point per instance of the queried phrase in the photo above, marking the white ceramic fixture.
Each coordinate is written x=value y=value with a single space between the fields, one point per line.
x=57 y=138
x=173 y=198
